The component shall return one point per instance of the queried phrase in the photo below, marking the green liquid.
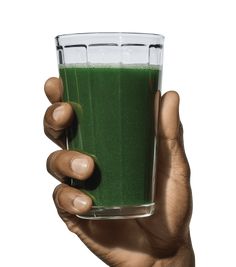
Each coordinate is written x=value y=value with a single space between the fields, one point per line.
x=115 y=125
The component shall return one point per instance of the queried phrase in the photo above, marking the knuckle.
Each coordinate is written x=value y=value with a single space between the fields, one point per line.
x=57 y=193
x=48 y=114
x=53 y=165
x=48 y=120
x=50 y=160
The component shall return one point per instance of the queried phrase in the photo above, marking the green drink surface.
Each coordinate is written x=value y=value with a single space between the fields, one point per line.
x=114 y=124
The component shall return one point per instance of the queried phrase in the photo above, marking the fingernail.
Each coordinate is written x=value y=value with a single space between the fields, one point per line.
x=80 y=203
x=58 y=113
x=80 y=166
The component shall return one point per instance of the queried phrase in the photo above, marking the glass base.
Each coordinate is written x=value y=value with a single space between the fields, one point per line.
x=122 y=212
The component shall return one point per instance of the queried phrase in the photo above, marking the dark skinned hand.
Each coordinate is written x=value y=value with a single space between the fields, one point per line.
x=162 y=239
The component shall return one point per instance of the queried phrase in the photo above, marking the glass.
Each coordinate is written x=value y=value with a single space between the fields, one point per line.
x=112 y=81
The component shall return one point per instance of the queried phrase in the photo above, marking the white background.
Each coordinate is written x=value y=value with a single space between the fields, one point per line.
x=199 y=62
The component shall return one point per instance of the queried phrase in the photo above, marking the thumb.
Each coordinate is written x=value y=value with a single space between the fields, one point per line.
x=173 y=192
x=171 y=155
x=169 y=122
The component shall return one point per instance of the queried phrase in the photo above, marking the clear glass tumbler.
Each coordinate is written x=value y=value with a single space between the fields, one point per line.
x=111 y=81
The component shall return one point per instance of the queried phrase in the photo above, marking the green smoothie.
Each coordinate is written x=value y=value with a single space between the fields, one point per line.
x=114 y=124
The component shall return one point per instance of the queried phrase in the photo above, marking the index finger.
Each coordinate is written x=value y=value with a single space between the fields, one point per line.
x=53 y=89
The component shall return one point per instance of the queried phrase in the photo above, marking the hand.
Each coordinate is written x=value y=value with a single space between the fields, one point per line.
x=160 y=240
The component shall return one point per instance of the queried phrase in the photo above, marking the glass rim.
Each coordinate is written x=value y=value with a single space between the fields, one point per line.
x=110 y=33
